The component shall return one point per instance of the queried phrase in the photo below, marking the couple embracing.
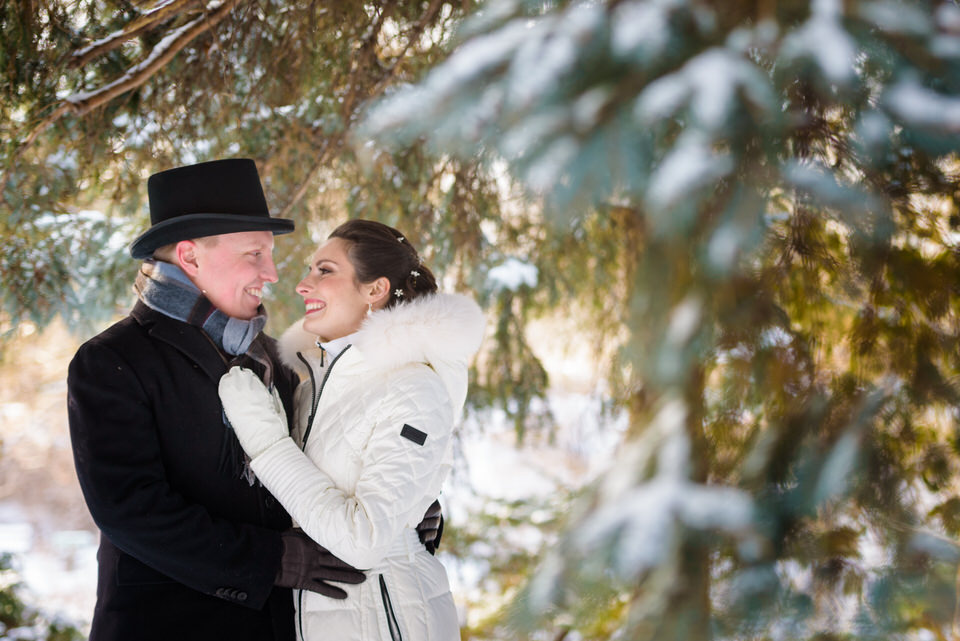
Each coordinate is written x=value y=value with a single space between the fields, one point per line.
x=253 y=489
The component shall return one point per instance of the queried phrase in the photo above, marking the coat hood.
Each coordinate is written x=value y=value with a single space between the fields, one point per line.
x=434 y=329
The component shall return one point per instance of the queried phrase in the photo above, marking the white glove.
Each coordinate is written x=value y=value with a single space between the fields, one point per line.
x=256 y=415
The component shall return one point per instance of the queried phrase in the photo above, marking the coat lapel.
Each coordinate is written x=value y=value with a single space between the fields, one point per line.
x=189 y=340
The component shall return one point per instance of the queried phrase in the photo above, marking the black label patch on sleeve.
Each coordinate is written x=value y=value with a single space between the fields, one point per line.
x=412 y=433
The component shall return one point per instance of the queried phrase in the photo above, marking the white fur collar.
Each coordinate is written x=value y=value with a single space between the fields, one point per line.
x=431 y=329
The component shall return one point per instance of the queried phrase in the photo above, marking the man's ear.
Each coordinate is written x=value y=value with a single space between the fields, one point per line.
x=378 y=291
x=186 y=255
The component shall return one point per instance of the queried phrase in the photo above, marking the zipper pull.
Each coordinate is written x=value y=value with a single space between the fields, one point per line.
x=323 y=352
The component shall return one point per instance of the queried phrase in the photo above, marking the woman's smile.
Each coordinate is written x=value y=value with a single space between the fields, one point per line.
x=314 y=306
x=335 y=302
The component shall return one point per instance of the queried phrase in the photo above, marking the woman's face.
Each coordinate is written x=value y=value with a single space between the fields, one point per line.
x=335 y=302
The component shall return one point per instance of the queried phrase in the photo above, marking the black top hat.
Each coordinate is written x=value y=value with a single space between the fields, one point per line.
x=211 y=198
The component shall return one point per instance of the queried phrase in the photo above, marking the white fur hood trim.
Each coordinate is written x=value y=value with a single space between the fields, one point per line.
x=431 y=329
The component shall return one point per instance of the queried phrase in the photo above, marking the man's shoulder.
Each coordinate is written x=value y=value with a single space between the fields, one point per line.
x=120 y=343
x=128 y=335
x=130 y=326
x=120 y=331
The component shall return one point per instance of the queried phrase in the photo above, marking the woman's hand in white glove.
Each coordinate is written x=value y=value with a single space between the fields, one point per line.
x=256 y=415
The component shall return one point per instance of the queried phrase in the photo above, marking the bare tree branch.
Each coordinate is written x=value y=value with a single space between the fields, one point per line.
x=317 y=166
x=162 y=53
x=134 y=28
x=415 y=33
x=366 y=51
x=348 y=110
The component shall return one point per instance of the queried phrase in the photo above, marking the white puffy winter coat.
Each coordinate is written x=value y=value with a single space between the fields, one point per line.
x=375 y=424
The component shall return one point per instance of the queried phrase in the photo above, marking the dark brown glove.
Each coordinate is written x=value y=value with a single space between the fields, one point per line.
x=306 y=565
x=430 y=529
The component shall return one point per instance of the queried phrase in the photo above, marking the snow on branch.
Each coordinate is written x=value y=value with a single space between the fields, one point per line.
x=348 y=106
x=636 y=518
x=83 y=102
x=922 y=107
x=164 y=10
x=824 y=40
x=513 y=274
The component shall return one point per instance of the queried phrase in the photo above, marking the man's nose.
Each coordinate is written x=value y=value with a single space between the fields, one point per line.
x=269 y=273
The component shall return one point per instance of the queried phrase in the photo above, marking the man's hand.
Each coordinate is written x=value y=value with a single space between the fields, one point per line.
x=430 y=529
x=307 y=565
x=255 y=414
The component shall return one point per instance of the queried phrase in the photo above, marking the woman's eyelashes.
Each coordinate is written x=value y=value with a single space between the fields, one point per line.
x=323 y=271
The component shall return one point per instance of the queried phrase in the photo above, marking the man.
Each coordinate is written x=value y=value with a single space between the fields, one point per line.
x=191 y=547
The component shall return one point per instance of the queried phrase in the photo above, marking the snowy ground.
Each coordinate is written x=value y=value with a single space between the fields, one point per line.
x=45 y=525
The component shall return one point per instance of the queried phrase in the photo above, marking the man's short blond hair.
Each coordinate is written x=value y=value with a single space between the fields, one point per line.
x=168 y=253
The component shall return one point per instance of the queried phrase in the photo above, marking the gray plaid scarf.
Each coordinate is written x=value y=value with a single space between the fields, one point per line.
x=165 y=288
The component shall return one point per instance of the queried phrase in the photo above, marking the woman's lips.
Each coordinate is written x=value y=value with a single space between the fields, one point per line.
x=314 y=306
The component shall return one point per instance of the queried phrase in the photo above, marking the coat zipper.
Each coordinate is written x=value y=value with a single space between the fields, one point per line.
x=317 y=393
x=300 y=614
x=315 y=403
x=392 y=622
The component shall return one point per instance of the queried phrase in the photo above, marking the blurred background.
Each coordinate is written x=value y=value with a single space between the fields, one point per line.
x=717 y=244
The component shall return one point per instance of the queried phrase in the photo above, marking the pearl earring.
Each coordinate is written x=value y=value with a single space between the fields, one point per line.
x=369 y=308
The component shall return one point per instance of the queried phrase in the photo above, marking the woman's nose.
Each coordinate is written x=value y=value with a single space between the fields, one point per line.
x=302 y=288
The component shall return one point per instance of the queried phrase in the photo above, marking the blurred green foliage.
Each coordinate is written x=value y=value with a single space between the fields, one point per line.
x=19 y=620
x=782 y=181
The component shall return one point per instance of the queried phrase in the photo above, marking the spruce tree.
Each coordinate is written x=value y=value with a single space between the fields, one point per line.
x=773 y=187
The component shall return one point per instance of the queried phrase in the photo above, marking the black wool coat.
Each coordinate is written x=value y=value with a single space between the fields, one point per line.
x=188 y=548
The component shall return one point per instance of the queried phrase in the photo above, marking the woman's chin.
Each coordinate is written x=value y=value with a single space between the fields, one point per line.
x=311 y=325
x=315 y=325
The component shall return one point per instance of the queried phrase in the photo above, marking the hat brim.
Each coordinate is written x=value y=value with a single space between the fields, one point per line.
x=199 y=225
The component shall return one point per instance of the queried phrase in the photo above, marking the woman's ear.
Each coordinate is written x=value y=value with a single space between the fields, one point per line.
x=378 y=292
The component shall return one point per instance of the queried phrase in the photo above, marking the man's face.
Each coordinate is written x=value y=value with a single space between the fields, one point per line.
x=231 y=269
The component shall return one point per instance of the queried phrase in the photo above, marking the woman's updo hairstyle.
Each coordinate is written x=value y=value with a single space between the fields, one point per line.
x=377 y=250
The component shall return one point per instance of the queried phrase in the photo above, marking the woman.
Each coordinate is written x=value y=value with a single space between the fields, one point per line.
x=383 y=359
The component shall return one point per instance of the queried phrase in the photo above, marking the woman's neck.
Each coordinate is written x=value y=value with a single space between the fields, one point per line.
x=335 y=346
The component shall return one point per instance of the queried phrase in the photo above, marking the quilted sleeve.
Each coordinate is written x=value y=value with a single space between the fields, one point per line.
x=402 y=463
